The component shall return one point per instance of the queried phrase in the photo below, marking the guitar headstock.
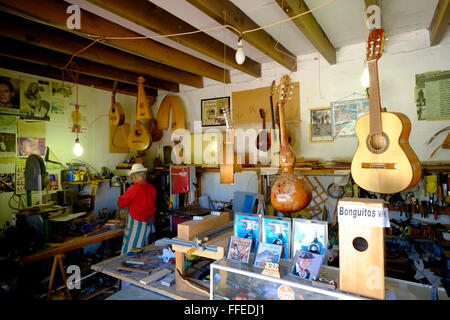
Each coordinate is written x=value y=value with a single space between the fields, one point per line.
x=273 y=89
x=262 y=113
x=285 y=84
x=375 y=44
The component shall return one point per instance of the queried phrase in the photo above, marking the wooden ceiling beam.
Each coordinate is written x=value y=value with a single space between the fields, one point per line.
x=23 y=51
x=83 y=79
x=54 y=39
x=156 y=19
x=310 y=28
x=440 y=21
x=54 y=13
x=260 y=39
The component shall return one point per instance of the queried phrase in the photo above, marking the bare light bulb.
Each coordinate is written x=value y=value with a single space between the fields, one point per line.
x=240 y=55
x=77 y=149
x=365 y=80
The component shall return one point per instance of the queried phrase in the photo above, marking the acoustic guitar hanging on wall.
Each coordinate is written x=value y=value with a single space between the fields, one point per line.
x=384 y=161
x=116 y=114
x=139 y=137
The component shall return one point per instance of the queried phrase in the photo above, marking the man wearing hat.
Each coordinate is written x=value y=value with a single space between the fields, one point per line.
x=140 y=201
x=304 y=261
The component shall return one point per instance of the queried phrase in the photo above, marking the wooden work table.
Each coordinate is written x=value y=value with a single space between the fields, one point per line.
x=111 y=268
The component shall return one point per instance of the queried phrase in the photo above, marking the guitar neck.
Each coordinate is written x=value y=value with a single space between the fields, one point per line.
x=374 y=99
x=271 y=112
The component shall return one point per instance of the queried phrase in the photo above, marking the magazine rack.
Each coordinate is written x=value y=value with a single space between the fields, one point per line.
x=232 y=280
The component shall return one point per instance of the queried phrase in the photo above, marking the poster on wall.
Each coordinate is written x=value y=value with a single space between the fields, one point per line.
x=9 y=95
x=7 y=182
x=344 y=116
x=77 y=118
x=27 y=146
x=321 y=127
x=58 y=111
x=20 y=175
x=432 y=95
x=61 y=90
x=8 y=132
x=35 y=99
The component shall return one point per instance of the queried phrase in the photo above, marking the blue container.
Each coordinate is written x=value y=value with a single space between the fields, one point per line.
x=69 y=176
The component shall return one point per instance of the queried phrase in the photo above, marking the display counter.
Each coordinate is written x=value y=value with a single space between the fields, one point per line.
x=232 y=280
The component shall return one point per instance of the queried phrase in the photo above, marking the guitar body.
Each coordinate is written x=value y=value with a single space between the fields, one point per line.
x=116 y=114
x=393 y=168
x=154 y=131
x=139 y=137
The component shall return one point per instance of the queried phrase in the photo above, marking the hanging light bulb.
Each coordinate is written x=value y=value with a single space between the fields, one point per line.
x=77 y=149
x=365 y=80
x=240 y=54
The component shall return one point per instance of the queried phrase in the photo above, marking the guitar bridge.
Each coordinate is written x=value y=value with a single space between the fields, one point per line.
x=378 y=166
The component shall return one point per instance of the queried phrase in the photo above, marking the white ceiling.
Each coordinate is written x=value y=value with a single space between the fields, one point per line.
x=342 y=21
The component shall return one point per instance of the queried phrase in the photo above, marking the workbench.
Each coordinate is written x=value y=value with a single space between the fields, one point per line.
x=151 y=252
x=57 y=250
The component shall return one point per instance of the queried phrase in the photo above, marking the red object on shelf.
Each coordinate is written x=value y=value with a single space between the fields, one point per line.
x=180 y=179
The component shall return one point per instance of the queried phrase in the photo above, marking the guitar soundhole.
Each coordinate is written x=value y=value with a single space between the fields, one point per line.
x=377 y=143
x=138 y=132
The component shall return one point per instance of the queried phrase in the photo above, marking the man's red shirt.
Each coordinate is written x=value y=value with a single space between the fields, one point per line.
x=140 y=200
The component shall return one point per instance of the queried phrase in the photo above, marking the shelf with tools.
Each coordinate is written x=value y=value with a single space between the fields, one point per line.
x=420 y=209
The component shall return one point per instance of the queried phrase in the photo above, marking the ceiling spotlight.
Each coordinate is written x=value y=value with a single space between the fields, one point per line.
x=240 y=55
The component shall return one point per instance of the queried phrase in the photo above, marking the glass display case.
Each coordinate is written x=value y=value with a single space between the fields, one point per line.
x=232 y=280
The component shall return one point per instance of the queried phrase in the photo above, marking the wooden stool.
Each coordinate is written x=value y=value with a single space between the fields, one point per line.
x=58 y=259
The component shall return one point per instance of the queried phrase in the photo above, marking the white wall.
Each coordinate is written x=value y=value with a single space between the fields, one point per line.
x=320 y=83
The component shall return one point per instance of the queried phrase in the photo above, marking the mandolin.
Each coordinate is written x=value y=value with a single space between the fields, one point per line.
x=290 y=192
x=384 y=162
x=143 y=110
x=139 y=137
x=116 y=114
x=263 y=140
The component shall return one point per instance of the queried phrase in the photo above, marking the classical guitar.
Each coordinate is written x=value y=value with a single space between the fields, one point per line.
x=139 y=137
x=384 y=161
x=290 y=193
x=116 y=114
x=263 y=140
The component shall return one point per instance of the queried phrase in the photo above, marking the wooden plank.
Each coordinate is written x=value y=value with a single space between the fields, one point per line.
x=54 y=73
x=20 y=50
x=260 y=39
x=54 y=13
x=65 y=42
x=152 y=17
x=221 y=242
x=440 y=21
x=310 y=28
x=73 y=244
x=189 y=229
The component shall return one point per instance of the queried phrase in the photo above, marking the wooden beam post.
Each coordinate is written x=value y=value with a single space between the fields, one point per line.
x=23 y=51
x=309 y=26
x=54 y=13
x=156 y=19
x=260 y=39
x=83 y=79
x=47 y=37
x=439 y=24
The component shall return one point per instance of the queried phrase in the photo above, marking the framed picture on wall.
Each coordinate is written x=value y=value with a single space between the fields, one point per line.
x=212 y=111
x=321 y=125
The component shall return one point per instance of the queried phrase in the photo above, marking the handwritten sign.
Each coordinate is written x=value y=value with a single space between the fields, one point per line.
x=363 y=212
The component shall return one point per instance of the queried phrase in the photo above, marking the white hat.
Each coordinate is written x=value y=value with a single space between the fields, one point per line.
x=137 y=167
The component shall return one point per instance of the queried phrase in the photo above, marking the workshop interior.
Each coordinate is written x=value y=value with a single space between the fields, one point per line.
x=225 y=150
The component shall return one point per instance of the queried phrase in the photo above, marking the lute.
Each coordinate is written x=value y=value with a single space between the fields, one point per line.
x=139 y=137
x=384 y=162
x=290 y=192
x=116 y=114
